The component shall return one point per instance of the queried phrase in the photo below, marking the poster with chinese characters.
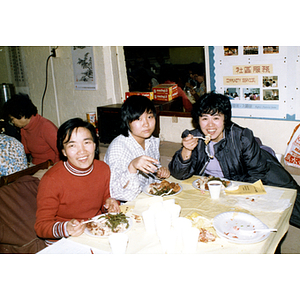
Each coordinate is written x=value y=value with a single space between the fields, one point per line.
x=83 y=67
x=261 y=81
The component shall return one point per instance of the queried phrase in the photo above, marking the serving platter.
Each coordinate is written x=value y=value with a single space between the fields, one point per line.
x=240 y=228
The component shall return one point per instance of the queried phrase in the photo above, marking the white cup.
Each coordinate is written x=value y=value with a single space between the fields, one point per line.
x=168 y=202
x=190 y=240
x=214 y=188
x=174 y=211
x=163 y=227
x=180 y=225
x=162 y=221
x=118 y=242
x=156 y=207
x=149 y=220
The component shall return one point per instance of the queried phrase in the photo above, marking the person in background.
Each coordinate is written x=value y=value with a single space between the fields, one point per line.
x=190 y=82
x=169 y=75
x=198 y=74
x=38 y=134
x=133 y=156
x=12 y=154
x=232 y=152
x=76 y=188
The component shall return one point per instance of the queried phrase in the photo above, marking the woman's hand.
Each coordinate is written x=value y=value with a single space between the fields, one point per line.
x=112 y=205
x=163 y=172
x=189 y=144
x=143 y=163
x=75 y=228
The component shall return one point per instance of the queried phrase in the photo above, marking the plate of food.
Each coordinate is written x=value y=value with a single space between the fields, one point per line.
x=162 y=189
x=240 y=228
x=104 y=225
x=201 y=183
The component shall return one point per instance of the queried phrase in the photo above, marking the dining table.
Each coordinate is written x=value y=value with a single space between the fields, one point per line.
x=273 y=208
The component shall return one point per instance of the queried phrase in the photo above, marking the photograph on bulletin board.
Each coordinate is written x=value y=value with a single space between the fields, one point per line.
x=250 y=50
x=271 y=95
x=270 y=81
x=270 y=49
x=252 y=94
x=231 y=50
x=233 y=93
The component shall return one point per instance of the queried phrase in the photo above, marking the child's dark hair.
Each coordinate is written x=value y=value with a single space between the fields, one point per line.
x=65 y=131
x=132 y=109
x=212 y=103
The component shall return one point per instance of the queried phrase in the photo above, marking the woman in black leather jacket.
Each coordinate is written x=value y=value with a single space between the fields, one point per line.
x=232 y=151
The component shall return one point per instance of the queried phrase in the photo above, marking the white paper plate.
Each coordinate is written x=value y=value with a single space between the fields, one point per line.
x=106 y=236
x=233 y=225
x=196 y=186
x=145 y=189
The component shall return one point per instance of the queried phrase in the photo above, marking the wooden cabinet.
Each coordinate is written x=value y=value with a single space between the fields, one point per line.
x=109 y=118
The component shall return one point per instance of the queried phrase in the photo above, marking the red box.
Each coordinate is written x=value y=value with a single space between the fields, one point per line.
x=165 y=88
x=146 y=94
x=165 y=96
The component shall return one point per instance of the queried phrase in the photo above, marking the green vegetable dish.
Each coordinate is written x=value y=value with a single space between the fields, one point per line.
x=114 y=220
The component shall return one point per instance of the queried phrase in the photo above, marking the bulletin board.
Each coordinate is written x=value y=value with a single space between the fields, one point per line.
x=261 y=81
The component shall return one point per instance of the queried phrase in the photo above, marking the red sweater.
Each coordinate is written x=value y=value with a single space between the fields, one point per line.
x=63 y=196
x=39 y=139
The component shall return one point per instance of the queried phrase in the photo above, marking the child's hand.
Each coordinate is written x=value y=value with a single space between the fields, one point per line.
x=143 y=163
x=163 y=172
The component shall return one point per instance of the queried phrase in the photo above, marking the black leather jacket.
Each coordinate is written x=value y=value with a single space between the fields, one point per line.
x=241 y=159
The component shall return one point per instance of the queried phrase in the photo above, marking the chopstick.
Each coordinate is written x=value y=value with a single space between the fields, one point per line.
x=255 y=230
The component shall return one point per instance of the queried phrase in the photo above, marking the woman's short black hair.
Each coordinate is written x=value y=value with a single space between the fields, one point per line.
x=65 y=131
x=132 y=109
x=212 y=103
x=18 y=106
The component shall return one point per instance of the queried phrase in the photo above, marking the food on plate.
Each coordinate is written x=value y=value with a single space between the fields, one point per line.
x=163 y=187
x=206 y=236
x=207 y=231
x=207 y=139
x=107 y=224
x=201 y=183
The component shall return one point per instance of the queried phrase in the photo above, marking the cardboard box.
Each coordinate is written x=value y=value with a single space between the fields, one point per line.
x=146 y=94
x=165 y=88
x=165 y=96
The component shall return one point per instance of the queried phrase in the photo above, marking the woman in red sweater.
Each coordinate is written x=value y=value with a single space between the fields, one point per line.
x=38 y=134
x=77 y=187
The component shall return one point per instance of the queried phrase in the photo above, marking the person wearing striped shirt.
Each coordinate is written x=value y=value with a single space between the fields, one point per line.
x=133 y=156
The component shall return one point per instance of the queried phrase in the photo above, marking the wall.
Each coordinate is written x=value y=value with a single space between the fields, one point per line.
x=112 y=84
x=4 y=73
x=62 y=101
